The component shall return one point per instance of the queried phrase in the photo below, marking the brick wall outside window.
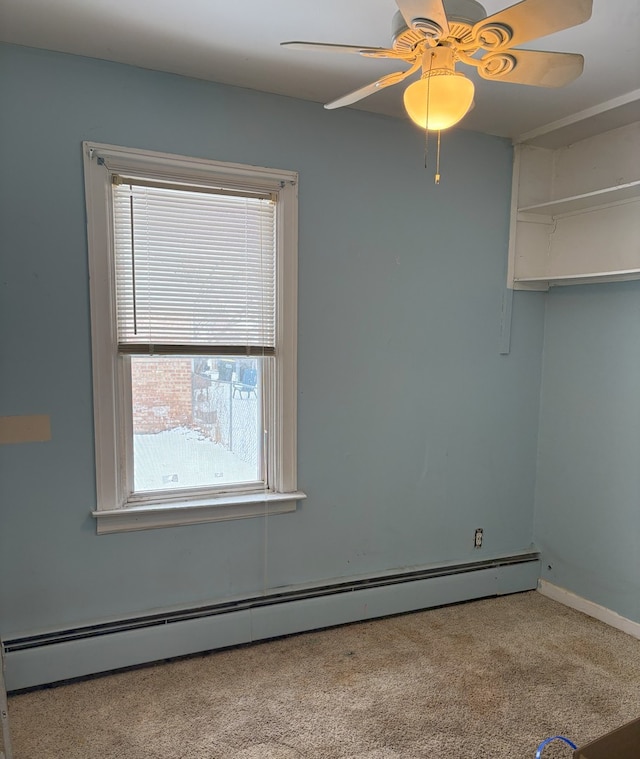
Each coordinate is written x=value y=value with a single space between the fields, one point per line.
x=161 y=394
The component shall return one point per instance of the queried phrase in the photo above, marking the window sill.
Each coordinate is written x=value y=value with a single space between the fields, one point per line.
x=195 y=512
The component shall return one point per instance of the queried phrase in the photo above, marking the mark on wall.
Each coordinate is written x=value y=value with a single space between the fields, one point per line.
x=35 y=428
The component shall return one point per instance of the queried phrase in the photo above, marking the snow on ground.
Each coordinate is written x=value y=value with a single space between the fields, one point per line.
x=184 y=458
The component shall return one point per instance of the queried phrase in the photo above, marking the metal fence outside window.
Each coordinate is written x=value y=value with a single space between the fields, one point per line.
x=226 y=404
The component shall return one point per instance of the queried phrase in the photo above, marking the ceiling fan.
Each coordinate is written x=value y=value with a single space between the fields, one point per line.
x=433 y=35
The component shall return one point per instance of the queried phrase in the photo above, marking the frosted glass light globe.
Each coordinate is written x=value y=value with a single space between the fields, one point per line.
x=450 y=97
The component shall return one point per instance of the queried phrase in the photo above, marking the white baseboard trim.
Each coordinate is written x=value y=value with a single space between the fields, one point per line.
x=591 y=609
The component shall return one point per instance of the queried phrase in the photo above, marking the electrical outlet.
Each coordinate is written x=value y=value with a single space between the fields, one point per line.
x=477 y=541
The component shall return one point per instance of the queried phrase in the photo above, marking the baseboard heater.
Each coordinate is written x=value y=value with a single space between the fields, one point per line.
x=90 y=649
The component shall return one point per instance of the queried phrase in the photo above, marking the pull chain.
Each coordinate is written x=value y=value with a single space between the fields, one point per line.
x=426 y=129
x=426 y=125
x=426 y=145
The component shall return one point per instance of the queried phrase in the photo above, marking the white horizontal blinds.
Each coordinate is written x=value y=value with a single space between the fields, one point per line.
x=195 y=269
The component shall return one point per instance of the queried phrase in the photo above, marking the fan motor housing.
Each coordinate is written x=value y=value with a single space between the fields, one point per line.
x=461 y=16
x=464 y=11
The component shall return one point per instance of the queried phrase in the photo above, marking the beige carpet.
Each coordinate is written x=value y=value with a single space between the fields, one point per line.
x=485 y=679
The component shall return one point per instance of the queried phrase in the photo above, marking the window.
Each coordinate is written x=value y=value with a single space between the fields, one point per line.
x=193 y=285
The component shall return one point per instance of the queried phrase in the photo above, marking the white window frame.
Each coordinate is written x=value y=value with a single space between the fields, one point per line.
x=114 y=513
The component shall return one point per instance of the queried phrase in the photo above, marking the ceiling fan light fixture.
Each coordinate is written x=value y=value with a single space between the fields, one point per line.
x=439 y=100
x=435 y=34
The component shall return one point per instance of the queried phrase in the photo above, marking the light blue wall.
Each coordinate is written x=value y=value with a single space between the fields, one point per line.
x=413 y=430
x=588 y=493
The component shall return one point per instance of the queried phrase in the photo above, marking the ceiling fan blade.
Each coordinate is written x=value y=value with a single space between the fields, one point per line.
x=534 y=67
x=433 y=10
x=369 y=89
x=529 y=20
x=369 y=52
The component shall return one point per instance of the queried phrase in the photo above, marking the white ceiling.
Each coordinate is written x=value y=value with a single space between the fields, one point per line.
x=237 y=42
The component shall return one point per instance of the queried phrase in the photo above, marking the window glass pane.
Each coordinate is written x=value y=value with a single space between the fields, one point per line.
x=196 y=421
